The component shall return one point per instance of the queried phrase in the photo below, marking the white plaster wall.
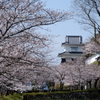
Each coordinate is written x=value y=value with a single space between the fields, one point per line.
x=68 y=48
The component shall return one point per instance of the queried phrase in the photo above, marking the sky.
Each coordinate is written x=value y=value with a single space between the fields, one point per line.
x=59 y=30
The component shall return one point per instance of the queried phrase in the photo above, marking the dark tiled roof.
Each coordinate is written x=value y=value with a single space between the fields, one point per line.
x=71 y=43
x=70 y=53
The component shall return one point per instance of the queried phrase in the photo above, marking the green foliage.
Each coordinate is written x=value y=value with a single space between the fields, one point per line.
x=57 y=86
x=96 y=62
x=59 y=92
x=66 y=87
x=50 y=84
x=88 y=55
x=64 y=95
x=12 y=97
x=55 y=95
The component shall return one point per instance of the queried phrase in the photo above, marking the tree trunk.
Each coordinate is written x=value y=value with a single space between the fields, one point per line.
x=89 y=84
x=95 y=83
x=61 y=85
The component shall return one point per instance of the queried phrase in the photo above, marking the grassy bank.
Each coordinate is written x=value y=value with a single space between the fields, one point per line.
x=12 y=97
x=61 y=92
x=56 y=95
x=64 y=95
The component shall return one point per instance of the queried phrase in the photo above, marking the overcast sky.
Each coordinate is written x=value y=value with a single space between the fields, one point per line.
x=60 y=30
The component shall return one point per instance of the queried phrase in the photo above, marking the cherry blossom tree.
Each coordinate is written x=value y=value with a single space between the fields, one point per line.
x=93 y=46
x=79 y=74
x=21 y=48
x=84 y=74
x=89 y=11
x=62 y=74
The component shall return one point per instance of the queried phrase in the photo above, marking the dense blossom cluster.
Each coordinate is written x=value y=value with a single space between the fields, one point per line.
x=22 y=50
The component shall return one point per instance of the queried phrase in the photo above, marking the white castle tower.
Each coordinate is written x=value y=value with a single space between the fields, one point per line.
x=73 y=48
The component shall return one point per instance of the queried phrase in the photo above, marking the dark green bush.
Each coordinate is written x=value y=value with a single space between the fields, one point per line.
x=64 y=95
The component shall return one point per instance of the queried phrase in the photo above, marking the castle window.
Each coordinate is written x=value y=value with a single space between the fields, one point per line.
x=63 y=60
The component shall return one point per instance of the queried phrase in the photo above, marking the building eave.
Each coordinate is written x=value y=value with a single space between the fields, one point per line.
x=70 y=54
x=66 y=43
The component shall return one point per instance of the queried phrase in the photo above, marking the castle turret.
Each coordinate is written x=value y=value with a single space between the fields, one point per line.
x=73 y=48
